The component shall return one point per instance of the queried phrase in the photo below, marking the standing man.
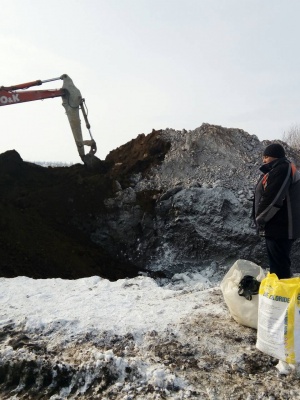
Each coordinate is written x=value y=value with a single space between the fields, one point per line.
x=277 y=208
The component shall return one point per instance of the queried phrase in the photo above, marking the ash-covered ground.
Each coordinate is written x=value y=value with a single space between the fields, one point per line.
x=78 y=320
x=130 y=339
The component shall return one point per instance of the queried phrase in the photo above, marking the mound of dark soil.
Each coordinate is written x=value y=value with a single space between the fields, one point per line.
x=170 y=201
x=40 y=210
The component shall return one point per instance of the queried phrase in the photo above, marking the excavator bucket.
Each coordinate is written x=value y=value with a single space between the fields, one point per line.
x=91 y=161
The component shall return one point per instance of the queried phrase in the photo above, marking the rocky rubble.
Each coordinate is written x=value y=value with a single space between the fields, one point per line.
x=202 y=202
x=168 y=201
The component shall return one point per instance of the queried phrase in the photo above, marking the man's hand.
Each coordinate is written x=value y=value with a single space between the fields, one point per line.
x=261 y=230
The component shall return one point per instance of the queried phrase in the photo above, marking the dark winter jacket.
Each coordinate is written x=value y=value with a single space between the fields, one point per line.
x=277 y=200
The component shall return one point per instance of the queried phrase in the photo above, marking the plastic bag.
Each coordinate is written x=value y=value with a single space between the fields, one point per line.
x=243 y=311
x=278 y=333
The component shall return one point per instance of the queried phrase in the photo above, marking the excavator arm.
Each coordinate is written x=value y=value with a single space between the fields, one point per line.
x=71 y=100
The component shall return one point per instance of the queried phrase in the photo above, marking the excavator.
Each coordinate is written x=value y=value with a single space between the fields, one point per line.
x=72 y=101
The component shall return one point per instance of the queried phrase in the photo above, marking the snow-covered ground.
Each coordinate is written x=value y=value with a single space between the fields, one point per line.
x=131 y=339
x=71 y=308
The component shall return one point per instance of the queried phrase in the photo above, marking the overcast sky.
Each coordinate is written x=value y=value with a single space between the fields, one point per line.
x=149 y=64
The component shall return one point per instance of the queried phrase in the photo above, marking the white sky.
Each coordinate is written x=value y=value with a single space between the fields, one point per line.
x=149 y=64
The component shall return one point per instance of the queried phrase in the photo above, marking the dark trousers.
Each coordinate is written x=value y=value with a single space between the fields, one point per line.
x=278 y=251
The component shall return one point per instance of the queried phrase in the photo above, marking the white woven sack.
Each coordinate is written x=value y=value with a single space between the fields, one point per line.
x=244 y=311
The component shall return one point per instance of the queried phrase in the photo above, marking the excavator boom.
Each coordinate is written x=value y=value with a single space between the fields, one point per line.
x=71 y=100
x=12 y=97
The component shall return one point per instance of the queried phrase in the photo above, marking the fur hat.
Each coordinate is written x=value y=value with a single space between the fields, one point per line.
x=274 y=150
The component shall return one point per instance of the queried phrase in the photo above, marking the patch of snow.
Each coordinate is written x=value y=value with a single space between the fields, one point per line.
x=70 y=308
x=130 y=339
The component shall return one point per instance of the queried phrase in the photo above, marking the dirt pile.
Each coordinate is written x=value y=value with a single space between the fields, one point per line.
x=169 y=200
x=45 y=213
